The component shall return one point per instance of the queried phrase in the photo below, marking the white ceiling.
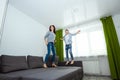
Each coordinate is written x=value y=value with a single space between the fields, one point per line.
x=66 y=13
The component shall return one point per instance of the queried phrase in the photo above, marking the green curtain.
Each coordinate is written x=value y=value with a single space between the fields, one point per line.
x=59 y=45
x=113 y=47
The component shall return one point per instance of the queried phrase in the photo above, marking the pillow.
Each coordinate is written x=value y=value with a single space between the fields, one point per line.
x=13 y=63
x=49 y=63
x=35 y=61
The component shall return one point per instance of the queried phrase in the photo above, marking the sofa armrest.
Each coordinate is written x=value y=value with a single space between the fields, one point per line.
x=76 y=63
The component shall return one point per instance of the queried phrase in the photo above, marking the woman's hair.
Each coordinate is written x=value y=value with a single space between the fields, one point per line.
x=54 y=28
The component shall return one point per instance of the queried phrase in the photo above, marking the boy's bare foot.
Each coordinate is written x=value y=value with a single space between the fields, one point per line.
x=67 y=63
x=54 y=65
x=72 y=62
x=44 y=65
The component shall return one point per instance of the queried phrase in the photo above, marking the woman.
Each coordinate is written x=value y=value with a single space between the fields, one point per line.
x=68 y=45
x=49 y=41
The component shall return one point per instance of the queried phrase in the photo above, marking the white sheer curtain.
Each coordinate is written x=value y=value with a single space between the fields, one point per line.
x=90 y=41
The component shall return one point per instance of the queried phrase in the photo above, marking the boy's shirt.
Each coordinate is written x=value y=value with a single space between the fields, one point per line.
x=68 y=38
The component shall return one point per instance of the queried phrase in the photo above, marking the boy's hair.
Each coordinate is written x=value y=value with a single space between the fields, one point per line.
x=66 y=30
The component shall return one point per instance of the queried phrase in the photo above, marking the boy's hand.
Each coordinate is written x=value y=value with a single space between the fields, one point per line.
x=78 y=31
x=61 y=38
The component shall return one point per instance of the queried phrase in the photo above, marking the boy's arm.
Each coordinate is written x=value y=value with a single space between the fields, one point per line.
x=76 y=33
x=62 y=38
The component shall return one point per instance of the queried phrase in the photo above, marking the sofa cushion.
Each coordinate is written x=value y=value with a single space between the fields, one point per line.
x=58 y=73
x=49 y=63
x=34 y=61
x=13 y=63
x=4 y=77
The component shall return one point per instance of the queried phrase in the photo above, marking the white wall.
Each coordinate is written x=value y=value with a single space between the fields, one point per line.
x=116 y=19
x=22 y=35
x=3 y=7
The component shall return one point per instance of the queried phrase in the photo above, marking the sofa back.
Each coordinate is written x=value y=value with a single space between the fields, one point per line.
x=34 y=61
x=13 y=63
x=9 y=63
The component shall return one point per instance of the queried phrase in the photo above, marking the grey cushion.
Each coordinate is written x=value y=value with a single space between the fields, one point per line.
x=0 y=60
x=13 y=63
x=35 y=61
x=9 y=78
x=0 y=64
x=49 y=63
x=58 y=73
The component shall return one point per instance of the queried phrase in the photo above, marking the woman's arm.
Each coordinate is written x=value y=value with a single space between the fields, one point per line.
x=45 y=37
x=46 y=42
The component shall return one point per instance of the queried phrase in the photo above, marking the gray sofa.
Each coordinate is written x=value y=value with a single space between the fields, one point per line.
x=30 y=68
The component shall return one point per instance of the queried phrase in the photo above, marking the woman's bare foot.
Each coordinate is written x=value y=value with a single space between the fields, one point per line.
x=54 y=65
x=72 y=62
x=44 y=65
x=67 y=63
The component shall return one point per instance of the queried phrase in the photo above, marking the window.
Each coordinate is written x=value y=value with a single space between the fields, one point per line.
x=90 y=41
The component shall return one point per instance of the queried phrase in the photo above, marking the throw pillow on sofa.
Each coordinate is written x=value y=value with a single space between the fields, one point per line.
x=13 y=63
x=35 y=61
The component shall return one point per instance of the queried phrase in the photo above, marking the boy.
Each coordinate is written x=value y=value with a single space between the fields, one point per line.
x=68 y=45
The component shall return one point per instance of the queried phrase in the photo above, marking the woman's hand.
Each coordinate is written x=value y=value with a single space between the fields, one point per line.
x=46 y=42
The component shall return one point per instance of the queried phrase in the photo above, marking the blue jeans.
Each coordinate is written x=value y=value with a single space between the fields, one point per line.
x=50 y=47
x=68 y=47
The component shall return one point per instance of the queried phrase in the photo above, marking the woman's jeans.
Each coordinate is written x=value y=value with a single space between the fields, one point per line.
x=50 y=47
x=68 y=47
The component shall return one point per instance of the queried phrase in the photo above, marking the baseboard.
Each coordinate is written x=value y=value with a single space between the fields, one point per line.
x=97 y=75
